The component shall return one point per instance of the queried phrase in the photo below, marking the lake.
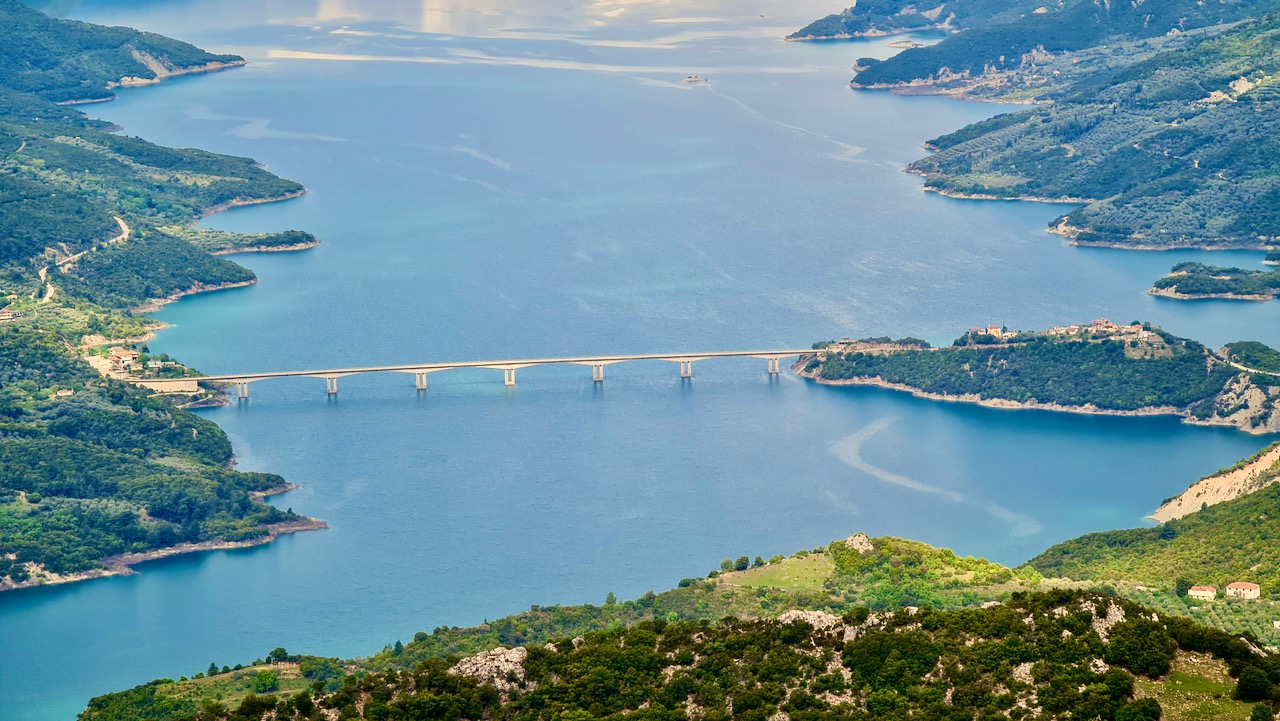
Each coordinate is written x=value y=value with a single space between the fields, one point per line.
x=503 y=180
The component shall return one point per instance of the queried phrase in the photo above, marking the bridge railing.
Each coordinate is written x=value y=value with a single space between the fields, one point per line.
x=241 y=381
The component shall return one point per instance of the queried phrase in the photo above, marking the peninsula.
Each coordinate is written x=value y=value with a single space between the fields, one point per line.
x=96 y=475
x=1098 y=367
x=1195 y=281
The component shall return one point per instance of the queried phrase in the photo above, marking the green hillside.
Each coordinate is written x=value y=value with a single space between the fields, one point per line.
x=1157 y=116
x=1231 y=541
x=1054 y=655
x=94 y=473
x=66 y=60
x=1197 y=280
x=884 y=17
x=1175 y=150
x=993 y=42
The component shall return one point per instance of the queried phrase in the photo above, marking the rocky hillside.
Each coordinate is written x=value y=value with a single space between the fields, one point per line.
x=1048 y=656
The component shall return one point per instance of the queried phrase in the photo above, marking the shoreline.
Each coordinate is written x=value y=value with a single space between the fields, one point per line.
x=267 y=248
x=134 y=82
x=1172 y=294
x=995 y=403
x=122 y=564
x=156 y=304
x=1226 y=485
x=242 y=202
x=957 y=195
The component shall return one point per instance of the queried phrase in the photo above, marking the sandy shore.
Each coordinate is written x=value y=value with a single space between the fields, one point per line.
x=122 y=565
x=1255 y=474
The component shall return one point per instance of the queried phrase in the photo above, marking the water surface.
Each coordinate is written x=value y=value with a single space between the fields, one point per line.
x=535 y=179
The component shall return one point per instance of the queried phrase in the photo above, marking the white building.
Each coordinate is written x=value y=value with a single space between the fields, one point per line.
x=1243 y=589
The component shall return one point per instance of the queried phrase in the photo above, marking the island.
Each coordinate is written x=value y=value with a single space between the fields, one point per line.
x=98 y=475
x=1098 y=367
x=1193 y=281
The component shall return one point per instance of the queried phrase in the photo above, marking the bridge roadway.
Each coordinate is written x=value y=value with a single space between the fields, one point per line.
x=508 y=368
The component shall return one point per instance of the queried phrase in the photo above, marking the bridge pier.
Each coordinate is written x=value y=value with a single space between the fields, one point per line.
x=597 y=372
x=242 y=390
x=420 y=380
x=775 y=366
x=509 y=376
x=331 y=385
x=686 y=369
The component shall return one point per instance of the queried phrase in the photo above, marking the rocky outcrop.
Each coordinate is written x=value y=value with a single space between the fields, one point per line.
x=502 y=667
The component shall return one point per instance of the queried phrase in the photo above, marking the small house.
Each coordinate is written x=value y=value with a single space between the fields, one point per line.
x=1202 y=593
x=65 y=393
x=123 y=357
x=1244 y=590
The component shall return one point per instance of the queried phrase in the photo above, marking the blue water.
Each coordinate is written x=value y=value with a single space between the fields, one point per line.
x=535 y=179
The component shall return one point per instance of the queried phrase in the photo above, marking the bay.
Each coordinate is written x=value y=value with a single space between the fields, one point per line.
x=525 y=179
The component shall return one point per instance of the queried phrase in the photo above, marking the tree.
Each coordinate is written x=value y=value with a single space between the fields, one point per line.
x=277 y=655
x=1261 y=712
x=1253 y=684
x=1182 y=586
x=265 y=681
x=742 y=564
x=1143 y=646
x=1143 y=709
x=758 y=562
x=397 y=649
x=726 y=564
x=213 y=669
x=610 y=599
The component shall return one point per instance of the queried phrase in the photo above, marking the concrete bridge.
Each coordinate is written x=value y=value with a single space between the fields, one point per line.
x=420 y=371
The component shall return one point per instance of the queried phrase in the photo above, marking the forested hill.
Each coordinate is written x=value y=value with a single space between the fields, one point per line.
x=992 y=45
x=1059 y=655
x=884 y=17
x=1159 y=116
x=1099 y=367
x=1175 y=150
x=66 y=60
x=1231 y=541
x=95 y=474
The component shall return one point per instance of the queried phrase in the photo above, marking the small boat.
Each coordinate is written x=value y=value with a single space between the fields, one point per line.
x=695 y=79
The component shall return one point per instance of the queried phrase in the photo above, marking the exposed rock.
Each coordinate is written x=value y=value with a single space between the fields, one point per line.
x=859 y=542
x=496 y=667
x=818 y=619
x=1022 y=673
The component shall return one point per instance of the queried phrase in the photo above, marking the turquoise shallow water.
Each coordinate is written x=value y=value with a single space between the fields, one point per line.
x=523 y=180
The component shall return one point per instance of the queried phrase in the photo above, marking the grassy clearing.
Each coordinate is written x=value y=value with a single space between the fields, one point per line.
x=806 y=573
x=231 y=688
x=1198 y=688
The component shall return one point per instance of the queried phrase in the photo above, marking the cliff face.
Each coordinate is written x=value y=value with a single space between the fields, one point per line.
x=1246 y=405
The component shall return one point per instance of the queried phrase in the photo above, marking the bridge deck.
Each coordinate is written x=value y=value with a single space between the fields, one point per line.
x=507 y=364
